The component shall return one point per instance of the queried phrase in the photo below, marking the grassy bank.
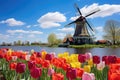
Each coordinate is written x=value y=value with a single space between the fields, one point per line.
x=93 y=46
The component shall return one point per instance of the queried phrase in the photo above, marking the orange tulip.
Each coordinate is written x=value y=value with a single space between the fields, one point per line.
x=57 y=76
x=32 y=57
x=80 y=72
x=65 y=66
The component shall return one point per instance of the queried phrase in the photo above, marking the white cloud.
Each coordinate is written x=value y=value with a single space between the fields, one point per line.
x=31 y=36
x=99 y=29
x=3 y=36
x=60 y=35
x=99 y=33
x=74 y=18
x=28 y=26
x=105 y=10
x=51 y=19
x=24 y=32
x=36 y=25
x=20 y=37
x=12 y=22
x=66 y=29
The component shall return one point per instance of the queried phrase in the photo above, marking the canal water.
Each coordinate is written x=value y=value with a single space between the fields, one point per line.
x=95 y=51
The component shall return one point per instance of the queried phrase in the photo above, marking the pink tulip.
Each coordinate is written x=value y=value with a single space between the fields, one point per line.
x=88 y=76
x=50 y=71
x=14 y=58
x=101 y=65
x=88 y=55
x=27 y=57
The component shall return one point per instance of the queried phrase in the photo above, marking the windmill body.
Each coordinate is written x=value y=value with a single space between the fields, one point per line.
x=81 y=34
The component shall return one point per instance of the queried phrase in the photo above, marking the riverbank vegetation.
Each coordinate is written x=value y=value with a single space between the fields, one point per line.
x=93 y=46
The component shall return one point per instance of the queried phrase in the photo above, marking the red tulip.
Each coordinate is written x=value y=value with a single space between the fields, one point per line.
x=8 y=57
x=81 y=58
x=45 y=64
x=48 y=57
x=38 y=54
x=12 y=66
x=96 y=59
x=31 y=65
x=71 y=73
x=1 y=55
x=105 y=59
x=20 y=68
x=65 y=66
x=36 y=72
x=112 y=59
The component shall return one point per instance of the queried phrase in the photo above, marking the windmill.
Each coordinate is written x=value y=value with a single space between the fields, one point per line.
x=81 y=34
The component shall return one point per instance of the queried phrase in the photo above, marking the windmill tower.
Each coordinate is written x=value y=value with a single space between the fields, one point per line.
x=81 y=34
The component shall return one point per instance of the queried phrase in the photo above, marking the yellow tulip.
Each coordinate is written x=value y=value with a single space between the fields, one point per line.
x=9 y=52
x=74 y=57
x=43 y=54
x=66 y=53
x=90 y=62
x=75 y=64
x=87 y=68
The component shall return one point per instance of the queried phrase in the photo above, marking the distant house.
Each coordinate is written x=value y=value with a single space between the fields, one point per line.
x=103 y=42
x=68 y=40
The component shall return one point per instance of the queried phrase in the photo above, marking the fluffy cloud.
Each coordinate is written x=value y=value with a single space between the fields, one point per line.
x=99 y=29
x=2 y=36
x=66 y=29
x=28 y=26
x=51 y=19
x=24 y=32
x=74 y=18
x=12 y=22
x=105 y=10
x=60 y=35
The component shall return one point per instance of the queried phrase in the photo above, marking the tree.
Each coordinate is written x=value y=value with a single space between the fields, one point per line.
x=52 y=39
x=112 y=31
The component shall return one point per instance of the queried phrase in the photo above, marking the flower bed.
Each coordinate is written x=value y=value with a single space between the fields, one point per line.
x=23 y=65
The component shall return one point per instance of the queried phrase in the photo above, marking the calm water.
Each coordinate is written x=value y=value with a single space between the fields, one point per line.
x=94 y=51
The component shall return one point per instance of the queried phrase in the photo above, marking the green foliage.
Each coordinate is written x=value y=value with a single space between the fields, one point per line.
x=112 y=31
x=52 y=39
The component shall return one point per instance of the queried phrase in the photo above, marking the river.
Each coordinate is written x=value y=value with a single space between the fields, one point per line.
x=95 y=51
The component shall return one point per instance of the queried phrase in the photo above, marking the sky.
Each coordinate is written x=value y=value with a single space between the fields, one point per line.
x=34 y=20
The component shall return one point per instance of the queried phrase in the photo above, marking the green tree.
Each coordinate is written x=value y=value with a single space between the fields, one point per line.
x=52 y=38
x=112 y=31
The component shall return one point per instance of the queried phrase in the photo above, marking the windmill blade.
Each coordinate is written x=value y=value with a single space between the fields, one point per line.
x=69 y=24
x=78 y=9
x=92 y=12
x=89 y=25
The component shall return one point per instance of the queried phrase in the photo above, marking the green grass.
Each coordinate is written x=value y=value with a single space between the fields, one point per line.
x=93 y=46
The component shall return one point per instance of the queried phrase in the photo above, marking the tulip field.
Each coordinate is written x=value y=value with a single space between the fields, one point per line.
x=32 y=65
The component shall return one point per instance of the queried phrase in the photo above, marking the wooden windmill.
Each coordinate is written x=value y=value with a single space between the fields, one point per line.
x=81 y=34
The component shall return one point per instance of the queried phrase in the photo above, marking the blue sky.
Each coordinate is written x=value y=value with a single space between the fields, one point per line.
x=34 y=20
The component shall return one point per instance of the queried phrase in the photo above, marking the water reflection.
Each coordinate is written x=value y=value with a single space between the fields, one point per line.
x=94 y=51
